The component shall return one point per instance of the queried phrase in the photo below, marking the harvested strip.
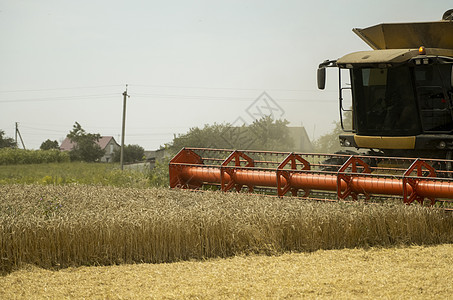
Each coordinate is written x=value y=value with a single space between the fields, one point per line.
x=409 y=273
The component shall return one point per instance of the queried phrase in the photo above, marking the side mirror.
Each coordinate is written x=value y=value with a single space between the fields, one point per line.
x=322 y=78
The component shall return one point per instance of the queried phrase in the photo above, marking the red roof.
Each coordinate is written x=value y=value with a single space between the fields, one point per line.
x=104 y=141
x=67 y=144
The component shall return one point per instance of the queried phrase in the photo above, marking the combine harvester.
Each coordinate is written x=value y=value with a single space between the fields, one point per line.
x=402 y=106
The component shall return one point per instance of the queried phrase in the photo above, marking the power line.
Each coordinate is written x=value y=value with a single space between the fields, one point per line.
x=34 y=127
x=42 y=129
x=225 y=98
x=166 y=96
x=161 y=86
x=59 y=89
x=222 y=88
x=158 y=95
x=59 y=98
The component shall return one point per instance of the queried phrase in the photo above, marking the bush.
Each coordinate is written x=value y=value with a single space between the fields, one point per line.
x=159 y=175
x=132 y=153
x=48 y=144
x=10 y=156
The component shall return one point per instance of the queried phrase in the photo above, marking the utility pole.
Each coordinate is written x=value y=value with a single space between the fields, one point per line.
x=125 y=95
x=18 y=132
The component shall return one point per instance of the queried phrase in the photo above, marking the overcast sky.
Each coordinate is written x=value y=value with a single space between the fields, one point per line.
x=187 y=63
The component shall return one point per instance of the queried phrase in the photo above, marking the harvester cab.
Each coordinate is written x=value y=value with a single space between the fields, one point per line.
x=402 y=90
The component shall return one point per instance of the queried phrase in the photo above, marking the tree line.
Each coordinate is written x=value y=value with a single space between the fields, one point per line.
x=85 y=147
x=263 y=134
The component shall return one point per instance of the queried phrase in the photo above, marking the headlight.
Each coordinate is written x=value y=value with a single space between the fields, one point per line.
x=347 y=143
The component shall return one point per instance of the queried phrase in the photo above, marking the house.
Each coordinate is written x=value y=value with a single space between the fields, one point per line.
x=301 y=140
x=106 y=143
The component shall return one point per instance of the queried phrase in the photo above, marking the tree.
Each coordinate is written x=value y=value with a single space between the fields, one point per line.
x=263 y=134
x=329 y=142
x=271 y=135
x=48 y=144
x=131 y=153
x=85 y=146
x=6 y=142
x=210 y=136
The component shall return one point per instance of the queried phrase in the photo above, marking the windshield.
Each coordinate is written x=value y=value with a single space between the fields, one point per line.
x=385 y=102
x=403 y=100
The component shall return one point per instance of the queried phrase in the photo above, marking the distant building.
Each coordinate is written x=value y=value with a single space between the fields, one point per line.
x=301 y=140
x=156 y=155
x=106 y=143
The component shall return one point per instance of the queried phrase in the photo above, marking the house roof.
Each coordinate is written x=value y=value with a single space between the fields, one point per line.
x=67 y=144
x=105 y=140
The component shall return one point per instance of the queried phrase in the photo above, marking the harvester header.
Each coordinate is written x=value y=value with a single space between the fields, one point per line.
x=319 y=176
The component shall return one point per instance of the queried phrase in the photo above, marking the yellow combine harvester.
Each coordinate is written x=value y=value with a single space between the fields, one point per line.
x=401 y=105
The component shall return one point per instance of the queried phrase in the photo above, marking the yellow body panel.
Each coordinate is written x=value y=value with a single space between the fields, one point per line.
x=438 y=34
x=385 y=142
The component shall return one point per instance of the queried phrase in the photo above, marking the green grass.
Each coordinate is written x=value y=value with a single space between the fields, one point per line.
x=75 y=172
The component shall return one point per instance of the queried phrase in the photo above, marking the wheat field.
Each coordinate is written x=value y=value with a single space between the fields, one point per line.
x=56 y=227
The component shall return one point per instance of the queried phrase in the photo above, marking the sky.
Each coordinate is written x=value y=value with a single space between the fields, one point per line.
x=185 y=63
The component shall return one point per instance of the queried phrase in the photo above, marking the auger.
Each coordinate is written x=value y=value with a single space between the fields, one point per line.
x=299 y=174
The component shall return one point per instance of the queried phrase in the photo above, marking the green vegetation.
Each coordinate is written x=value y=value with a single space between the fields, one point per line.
x=78 y=172
x=6 y=142
x=14 y=156
x=330 y=142
x=263 y=134
x=131 y=154
x=159 y=175
x=48 y=144
x=85 y=147
x=83 y=173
